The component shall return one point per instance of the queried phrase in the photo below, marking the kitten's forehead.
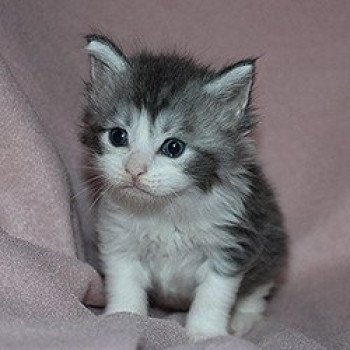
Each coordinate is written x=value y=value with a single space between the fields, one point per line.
x=141 y=124
x=147 y=131
x=157 y=78
x=145 y=124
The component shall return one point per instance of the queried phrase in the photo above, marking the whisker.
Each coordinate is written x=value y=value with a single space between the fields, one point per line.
x=101 y=194
x=86 y=167
x=76 y=195
x=87 y=188
x=94 y=178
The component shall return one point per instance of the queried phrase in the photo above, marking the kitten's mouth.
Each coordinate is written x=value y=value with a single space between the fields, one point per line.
x=135 y=189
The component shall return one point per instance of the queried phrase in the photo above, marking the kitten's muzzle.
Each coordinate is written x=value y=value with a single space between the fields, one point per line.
x=135 y=177
x=136 y=166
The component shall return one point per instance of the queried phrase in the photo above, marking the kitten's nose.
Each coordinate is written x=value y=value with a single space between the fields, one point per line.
x=136 y=172
x=136 y=167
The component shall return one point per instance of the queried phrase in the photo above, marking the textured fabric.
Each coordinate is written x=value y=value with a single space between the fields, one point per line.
x=302 y=89
x=33 y=178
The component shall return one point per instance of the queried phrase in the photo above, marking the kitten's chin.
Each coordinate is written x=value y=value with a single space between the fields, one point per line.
x=133 y=192
x=140 y=194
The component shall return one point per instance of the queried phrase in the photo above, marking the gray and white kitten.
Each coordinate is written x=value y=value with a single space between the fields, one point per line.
x=186 y=218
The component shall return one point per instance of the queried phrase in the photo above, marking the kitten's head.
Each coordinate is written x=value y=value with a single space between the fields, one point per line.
x=160 y=125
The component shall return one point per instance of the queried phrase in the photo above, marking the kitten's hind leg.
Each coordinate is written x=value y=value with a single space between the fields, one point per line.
x=249 y=310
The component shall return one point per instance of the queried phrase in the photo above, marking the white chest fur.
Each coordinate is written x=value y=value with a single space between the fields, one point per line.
x=173 y=245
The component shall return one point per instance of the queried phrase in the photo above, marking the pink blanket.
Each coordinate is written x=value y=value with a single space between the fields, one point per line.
x=47 y=290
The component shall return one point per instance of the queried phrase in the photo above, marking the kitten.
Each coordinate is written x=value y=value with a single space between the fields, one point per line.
x=186 y=218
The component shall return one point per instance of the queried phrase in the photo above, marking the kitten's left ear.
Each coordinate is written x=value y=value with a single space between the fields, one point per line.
x=233 y=84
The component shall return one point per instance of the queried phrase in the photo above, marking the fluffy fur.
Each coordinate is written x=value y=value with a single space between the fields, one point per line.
x=201 y=231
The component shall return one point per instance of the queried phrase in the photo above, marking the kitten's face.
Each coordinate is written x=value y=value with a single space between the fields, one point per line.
x=158 y=126
x=142 y=158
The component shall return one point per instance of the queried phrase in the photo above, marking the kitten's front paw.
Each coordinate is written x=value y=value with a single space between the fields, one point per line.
x=243 y=322
x=196 y=335
x=111 y=310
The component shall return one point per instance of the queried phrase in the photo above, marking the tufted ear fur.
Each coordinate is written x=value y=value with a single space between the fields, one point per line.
x=233 y=85
x=106 y=57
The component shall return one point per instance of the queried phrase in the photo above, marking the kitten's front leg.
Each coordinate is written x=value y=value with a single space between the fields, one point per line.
x=210 y=310
x=126 y=283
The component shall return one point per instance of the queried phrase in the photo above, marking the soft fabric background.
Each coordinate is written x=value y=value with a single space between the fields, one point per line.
x=302 y=92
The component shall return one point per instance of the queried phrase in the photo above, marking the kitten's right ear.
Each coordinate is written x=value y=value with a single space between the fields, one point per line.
x=105 y=56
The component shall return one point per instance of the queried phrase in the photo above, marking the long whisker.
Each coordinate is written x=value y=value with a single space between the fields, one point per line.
x=93 y=183
x=93 y=179
x=99 y=196
x=76 y=195
x=86 y=167
x=90 y=188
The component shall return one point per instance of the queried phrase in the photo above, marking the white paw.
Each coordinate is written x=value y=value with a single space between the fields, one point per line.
x=243 y=322
x=196 y=335
x=111 y=310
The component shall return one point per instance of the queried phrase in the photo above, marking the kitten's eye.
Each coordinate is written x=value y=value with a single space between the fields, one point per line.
x=173 y=148
x=118 y=137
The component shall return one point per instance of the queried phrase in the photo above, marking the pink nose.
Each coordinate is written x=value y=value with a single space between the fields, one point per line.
x=136 y=166
x=135 y=171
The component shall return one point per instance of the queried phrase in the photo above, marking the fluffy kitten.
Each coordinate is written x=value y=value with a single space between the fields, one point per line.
x=185 y=216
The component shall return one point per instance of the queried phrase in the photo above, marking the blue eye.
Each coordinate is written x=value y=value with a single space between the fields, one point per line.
x=118 y=137
x=173 y=148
